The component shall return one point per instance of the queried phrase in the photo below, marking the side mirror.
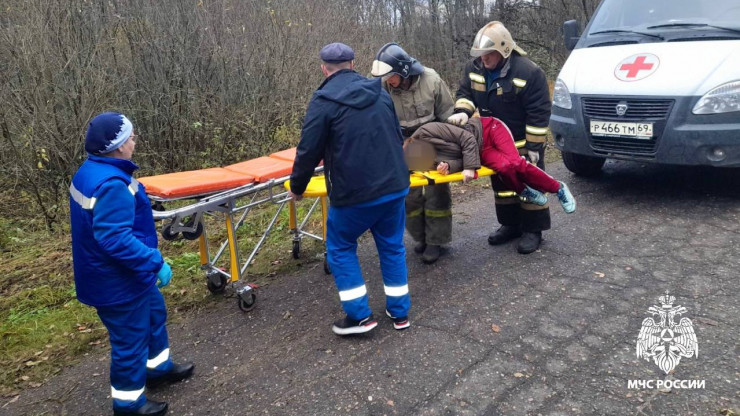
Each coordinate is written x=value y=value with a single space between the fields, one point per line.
x=570 y=34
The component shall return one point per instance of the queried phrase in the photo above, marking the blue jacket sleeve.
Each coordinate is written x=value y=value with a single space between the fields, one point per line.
x=113 y=223
x=311 y=147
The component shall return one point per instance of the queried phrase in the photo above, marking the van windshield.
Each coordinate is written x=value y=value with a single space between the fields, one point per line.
x=644 y=21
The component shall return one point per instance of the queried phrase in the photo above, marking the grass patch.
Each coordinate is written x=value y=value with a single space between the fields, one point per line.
x=45 y=328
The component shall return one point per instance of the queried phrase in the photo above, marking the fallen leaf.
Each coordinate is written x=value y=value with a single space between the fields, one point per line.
x=31 y=363
x=518 y=375
x=495 y=328
x=25 y=378
x=286 y=315
x=390 y=403
x=599 y=274
x=34 y=385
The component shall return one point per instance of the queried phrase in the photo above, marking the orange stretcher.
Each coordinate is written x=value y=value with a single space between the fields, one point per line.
x=230 y=192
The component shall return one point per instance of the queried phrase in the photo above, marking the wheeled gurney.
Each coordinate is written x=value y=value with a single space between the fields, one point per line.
x=231 y=193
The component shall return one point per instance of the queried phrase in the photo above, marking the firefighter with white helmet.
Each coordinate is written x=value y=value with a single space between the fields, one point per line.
x=500 y=81
x=420 y=96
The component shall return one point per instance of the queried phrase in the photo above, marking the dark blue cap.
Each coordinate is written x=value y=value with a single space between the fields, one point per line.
x=336 y=52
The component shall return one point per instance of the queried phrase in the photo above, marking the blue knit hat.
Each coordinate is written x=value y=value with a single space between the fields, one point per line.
x=107 y=132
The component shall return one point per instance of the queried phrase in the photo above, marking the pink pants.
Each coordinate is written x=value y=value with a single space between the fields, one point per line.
x=499 y=153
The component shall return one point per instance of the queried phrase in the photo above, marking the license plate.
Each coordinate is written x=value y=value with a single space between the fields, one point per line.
x=608 y=128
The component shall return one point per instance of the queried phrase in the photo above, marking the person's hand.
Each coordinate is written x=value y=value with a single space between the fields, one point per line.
x=468 y=175
x=534 y=156
x=458 y=119
x=443 y=168
x=164 y=275
x=294 y=197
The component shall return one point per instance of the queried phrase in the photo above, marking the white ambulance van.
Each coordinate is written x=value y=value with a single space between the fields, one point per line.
x=652 y=81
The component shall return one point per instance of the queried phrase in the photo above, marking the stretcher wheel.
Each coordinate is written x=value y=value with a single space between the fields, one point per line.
x=195 y=234
x=296 y=248
x=327 y=269
x=167 y=233
x=216 y=282
x=246 y=301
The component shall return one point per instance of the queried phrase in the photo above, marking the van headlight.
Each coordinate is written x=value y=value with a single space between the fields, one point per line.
x=723 y=99
x=561 y=95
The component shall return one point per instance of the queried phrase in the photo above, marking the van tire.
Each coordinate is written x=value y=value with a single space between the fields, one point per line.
x=583 y=165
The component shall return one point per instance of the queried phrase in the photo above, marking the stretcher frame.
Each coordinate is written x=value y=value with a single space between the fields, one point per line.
x=233 y=206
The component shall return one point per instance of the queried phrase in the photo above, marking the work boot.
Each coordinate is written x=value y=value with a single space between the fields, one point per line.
x=150 y=408
x=420 y=247
x=566 y=198
x=178 y=372
x=529 y=242
x=349 y=326
x=504 y=234
x=431 y=253
x=534 y=196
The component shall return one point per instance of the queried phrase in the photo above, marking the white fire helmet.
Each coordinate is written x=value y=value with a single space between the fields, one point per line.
x=494 y=37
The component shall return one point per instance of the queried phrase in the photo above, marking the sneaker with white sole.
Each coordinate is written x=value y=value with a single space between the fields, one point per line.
x=533 y=196
x=566 y=198
x=398 y=323
x=349 y=326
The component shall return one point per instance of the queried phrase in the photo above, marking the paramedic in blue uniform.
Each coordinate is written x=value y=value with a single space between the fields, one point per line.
x=351 y=124
x=117 y=267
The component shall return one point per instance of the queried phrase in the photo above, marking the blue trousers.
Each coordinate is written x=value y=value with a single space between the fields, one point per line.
x=139 y=346
x=345 y=225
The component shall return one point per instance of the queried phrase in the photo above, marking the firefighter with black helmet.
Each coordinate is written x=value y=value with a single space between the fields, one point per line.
x=420 y=96
x=500 y=81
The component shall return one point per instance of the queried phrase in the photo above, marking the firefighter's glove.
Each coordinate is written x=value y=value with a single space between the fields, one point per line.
x=534 y=156
x=164 y=275
x=458 y=119
x=468 y=175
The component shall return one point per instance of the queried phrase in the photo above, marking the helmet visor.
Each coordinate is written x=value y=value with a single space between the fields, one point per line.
x=380 y=68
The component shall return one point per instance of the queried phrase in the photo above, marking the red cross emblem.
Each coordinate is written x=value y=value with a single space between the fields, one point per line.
x=636 y=67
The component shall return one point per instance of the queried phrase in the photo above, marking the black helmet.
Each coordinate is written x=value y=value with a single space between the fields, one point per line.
x=392 y=59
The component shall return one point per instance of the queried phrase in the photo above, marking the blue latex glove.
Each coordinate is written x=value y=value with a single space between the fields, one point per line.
x=164 y=275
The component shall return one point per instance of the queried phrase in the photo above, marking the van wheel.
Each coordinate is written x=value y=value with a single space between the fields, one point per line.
x=583 y=165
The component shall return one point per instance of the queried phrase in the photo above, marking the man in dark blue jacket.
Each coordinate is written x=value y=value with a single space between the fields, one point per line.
x=351 y=124
x=118 y=268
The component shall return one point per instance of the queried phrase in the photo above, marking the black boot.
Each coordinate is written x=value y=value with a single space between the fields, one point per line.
x=431 y=254
x=504 y=234
x=177 y=373
x=530 y=242
x=150 y=408
x=420 y=247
